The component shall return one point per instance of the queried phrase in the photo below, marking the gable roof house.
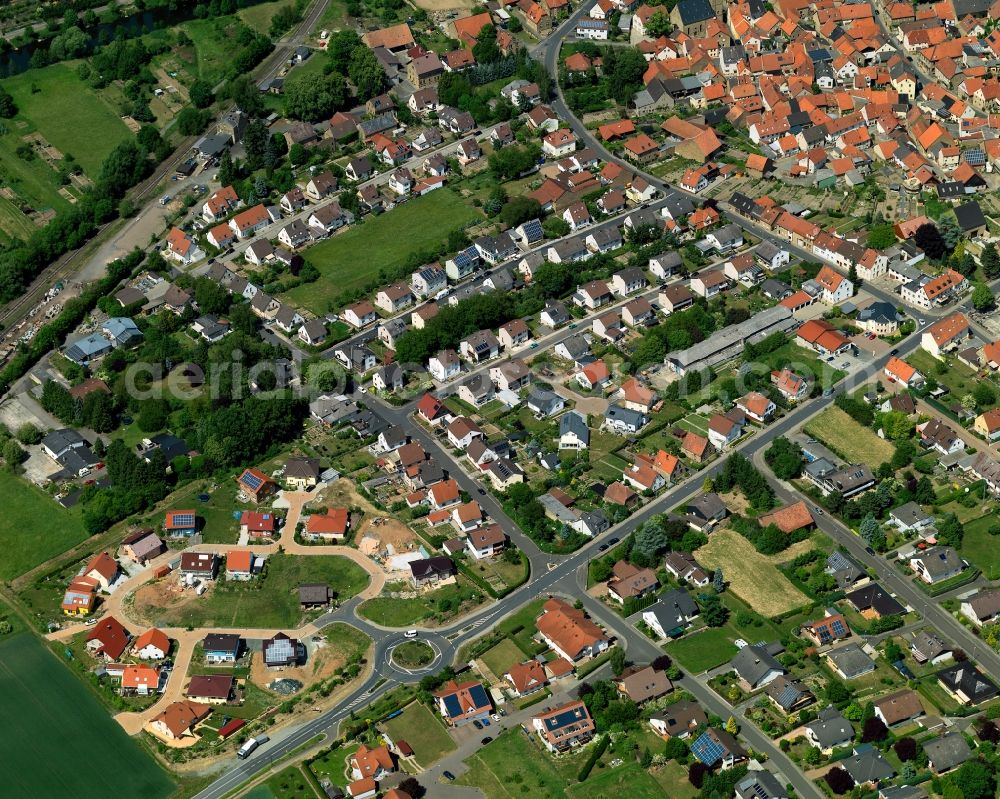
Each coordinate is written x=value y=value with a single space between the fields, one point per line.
x=671 y=614
x=631 y=582
x=898 y=707
x=830 y=730
x=570 y=632
x=937 y=564
x=462 y=703
x=755 y=666
x=564 y=727
x=678 y=719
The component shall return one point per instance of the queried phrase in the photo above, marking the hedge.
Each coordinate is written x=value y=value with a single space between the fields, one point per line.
x=595 y=755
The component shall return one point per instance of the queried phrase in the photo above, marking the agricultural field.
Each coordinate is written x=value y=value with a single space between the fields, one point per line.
x=33 y=527
x=38 y=690
x=272 y=603
x=259 y=16
x=850 y=440
x=753 y=577
x=422 y=730
x=387 y=242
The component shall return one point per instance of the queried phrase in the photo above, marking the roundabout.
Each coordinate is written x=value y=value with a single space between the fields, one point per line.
x=413 y=656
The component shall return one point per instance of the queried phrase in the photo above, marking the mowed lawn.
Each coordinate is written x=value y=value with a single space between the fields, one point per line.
x=980 y=548
x=849 y=439
x=73 y=117
x=57 y=740
x=703 y=650
x=753 y=577
x=275 y=603
x=423 y=731
x=501 y=657
x=33 y=527
x=353 y=259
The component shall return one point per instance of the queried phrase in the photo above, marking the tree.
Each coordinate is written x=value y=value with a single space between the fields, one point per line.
x=340 y=47
x=975 y=780
x=839 y=780
x=312 y=97
x=659 y=24
x=485 y=50
x=697 y=772
x=905 y=749
x=191 y=121
x=988 y=731
x=651 y=539
x=617 y=660
x=990 y=260
x=881 y=237
x=298 y=154
x=623 y=68
x=227 y=169
x=509 y=162
x=153 y=415
x=982 y=297
x=13 y=455
x=255 y=143
x=201 y=93
x=718 y=581
x=785 y=458
x=896 y=425
x=28 y=434
x=413 y=788
x=731 y=726
x=8 y=108
x=675 y=749
x=520 y=209
x=928 y=238
x=984 y=396
x=555 y=227
x=873 y=730
x=872 y=532
x=951 y=233
x=713 y=612
x=924 y=493
x=837 y=693
x=366 y=73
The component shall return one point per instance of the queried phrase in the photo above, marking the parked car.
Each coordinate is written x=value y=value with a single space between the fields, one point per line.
x=477 y=724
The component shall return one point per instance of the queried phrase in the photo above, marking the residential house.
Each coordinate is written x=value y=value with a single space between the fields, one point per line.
x=937 y=564
x=630 y=582
x=755 y=666
x=830 y=730
x=462 y=703
x=898 y=707
x=565 y=727
x=570 y=632
x=678 y=719
x=966 y=684
x=671 y=614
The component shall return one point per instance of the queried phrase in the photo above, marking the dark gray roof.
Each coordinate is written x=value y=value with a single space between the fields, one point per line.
x=573 y=422
x=693 y=11
x=831 y=728
x=753 y=663
x=947 y=751
x=673 y=609
x=851 y=661
x=970 y=215
x=760 y=785
x=868 y=765
x=628 y=416
x=969 y=680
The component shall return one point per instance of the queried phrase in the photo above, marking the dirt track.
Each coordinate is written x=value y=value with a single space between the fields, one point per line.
x=117 y=606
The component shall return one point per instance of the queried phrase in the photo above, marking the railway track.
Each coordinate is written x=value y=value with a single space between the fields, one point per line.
x=62 y=269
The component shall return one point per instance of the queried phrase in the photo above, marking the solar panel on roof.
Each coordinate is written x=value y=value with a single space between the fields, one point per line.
x=707 y=750
x=251 y=481
x=183 y=519
x=478 y=694
x=838 y=627
x=452 y=706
